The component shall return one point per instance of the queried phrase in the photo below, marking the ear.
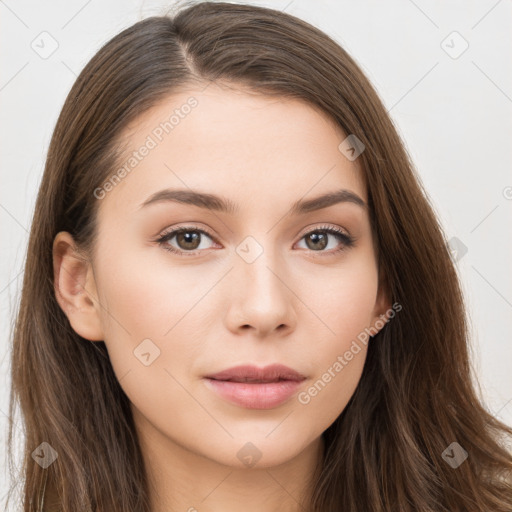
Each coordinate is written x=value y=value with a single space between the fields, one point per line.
x=382 y=305
x=75 y=288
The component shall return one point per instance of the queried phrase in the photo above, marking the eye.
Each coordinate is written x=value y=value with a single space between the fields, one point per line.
x=187 y=238
x=318 y=239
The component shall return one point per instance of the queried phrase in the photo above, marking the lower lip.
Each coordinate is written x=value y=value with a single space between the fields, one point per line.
x=255 y=395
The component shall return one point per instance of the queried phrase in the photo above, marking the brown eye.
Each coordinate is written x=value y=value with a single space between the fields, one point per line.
x=316 y=240
x=187 y=241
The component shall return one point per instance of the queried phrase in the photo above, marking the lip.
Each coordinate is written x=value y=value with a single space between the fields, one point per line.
x=249 y=372
x=256 y=388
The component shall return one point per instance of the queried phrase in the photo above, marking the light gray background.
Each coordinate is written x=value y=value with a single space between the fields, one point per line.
x=454 y=115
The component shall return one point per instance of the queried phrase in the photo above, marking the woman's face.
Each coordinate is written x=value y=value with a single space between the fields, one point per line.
x=257 y=284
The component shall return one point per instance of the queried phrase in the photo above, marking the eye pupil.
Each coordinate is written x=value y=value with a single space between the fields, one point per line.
x=189 y=237
x=317 y=236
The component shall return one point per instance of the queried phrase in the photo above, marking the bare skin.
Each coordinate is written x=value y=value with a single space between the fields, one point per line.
x=298 y=303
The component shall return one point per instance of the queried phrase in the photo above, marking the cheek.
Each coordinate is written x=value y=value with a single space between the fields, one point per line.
x=148 y=291
x=345 y=306
x=141 y=300
x=342 y=297
x=157 y=313
x=149 y=329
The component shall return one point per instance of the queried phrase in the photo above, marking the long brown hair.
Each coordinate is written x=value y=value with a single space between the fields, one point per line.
x=417 y=394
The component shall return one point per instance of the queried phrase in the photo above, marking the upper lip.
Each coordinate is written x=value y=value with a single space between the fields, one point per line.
x=249 y=373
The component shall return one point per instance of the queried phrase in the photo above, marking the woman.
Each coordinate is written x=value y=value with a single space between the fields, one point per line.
x=236 y=293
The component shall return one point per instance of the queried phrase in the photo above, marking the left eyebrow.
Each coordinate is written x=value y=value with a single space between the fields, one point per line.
x=323 y=201
x=221 y=204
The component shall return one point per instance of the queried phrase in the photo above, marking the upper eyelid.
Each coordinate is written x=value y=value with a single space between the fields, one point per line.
x=173 y=231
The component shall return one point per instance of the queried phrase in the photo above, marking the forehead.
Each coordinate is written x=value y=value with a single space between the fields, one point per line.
x=251 y=148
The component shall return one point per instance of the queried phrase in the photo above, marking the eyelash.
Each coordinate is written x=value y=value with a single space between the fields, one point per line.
x=347 y=240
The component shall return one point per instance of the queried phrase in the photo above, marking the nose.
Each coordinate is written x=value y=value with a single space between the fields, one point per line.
x=261 y=298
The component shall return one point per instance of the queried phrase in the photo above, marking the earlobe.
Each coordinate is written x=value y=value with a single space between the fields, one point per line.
x=75 y=289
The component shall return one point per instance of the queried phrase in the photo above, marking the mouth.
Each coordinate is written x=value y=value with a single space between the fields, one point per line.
x=256 y=388
x=250 y=373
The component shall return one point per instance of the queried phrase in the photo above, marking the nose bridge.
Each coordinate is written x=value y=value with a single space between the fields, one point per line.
x=264 y=299
x=258 y=262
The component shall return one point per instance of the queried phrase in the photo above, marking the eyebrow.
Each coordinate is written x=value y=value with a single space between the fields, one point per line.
x=220 y=204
